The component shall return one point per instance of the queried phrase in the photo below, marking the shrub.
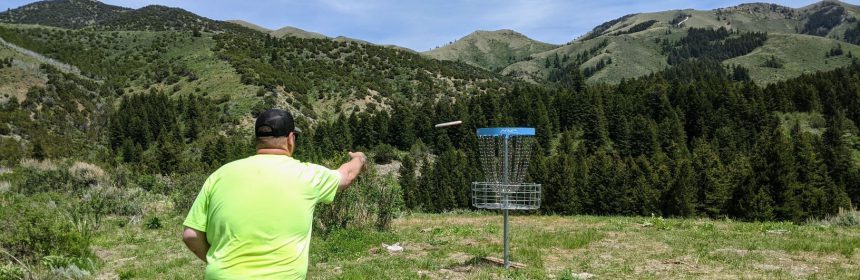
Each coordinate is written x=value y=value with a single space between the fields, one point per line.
x=11 y=151
x=153 y=223
x=419 y=150
x=35 y=179
x=384 y=154
x=101 y=200
x=845 y=218
x=70 y=272
x=9 y=271
x=87 y=173
x=372 y=202
x=39 y=226
x=184 y=189
x=4 y=186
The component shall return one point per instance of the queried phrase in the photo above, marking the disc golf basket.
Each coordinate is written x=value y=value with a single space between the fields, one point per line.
x=505 y=154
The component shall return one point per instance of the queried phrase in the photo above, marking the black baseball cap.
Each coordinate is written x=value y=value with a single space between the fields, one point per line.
x=276 y=123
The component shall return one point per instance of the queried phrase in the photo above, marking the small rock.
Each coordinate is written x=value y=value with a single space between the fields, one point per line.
x=582 y=275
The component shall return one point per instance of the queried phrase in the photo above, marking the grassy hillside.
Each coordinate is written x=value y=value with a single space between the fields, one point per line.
x=798 y=54
x=451 y=246
x=491 y=50
x=295 y=32
x=632 y=55
x=634 y=47
x=17 y=78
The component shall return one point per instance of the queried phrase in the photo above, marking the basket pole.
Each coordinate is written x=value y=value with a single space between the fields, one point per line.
x=505 y=202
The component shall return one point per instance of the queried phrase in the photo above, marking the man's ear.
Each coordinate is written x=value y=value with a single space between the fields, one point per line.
x=291 y=139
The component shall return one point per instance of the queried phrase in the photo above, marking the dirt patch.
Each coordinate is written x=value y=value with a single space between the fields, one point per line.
x=469 y=241
x=464 y=265
x=799 y=264
x=617 y=247
x=416 y=251
x=685 y=265
x=460 y=257
x=733 y=251
x=390 y=168
x=555 y=260
x=107 y=276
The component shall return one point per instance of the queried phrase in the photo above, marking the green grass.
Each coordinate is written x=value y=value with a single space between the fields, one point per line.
x=799 y=53
x=553 y=247
x=809 y=122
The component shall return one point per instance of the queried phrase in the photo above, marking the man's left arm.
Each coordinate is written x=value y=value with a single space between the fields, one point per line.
x=194 y=235
x=196 y=242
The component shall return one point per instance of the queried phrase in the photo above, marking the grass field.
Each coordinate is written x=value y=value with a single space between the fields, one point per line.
x=451 y=246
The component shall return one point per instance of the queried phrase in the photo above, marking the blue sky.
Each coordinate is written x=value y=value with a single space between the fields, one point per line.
x=421 y=25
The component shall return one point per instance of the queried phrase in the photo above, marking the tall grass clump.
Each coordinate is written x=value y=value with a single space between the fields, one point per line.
x=848 y=218
x=372 y=202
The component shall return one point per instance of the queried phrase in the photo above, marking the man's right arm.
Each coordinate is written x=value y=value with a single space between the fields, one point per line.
x=349 y=170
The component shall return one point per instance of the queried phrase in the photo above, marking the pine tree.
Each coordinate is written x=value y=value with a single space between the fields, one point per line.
x=38 y=152
x=749 y=200
x=643 y=137
x=680 y=198
x=643 y=197
x=775 y=167
x=671 y=132
x=559 y=191
x=818 y=195
x=401 y=129
x=408 y=183
x=168 y=153
x=596 y=133
x=713 y=185
x=837 y=156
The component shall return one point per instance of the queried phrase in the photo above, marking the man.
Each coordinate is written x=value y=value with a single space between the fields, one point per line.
x=252 y=218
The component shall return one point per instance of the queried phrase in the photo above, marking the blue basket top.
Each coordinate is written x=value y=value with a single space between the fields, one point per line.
x=506 y=131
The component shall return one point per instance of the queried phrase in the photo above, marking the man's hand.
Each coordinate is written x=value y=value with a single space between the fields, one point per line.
x=351 y=169
x=360 y=156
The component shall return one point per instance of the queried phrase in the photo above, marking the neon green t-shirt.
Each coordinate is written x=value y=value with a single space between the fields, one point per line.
x=257 y=214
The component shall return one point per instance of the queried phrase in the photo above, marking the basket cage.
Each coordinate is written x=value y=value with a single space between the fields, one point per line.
x=504 y=155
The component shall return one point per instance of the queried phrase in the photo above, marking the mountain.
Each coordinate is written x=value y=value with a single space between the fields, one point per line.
x=491 y=50
x=249 y=25
x=90 y=14
x=295 y=32
x=63 y=13
x=281 y=32
x=290 y=31
x=159 y=18
x=639 y=44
